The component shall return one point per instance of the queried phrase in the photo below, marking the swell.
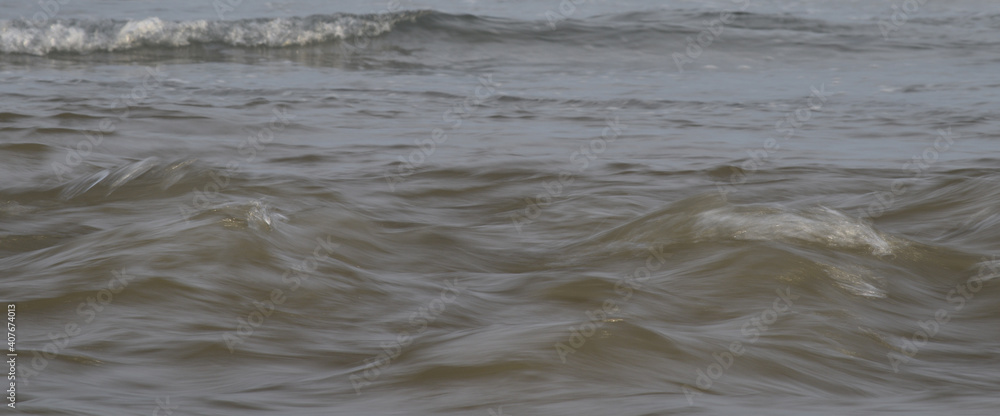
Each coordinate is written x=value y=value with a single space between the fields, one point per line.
x=937 y=232
x=650 y=28
x=859 y=288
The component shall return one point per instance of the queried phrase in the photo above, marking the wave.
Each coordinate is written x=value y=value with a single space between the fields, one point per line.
x=706 y=218
x=648 y=29
x=86 y=36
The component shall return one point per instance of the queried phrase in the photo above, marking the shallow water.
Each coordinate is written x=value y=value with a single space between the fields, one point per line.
x=501 y=207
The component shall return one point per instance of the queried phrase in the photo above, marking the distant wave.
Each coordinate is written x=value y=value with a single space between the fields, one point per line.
x=85 y=36
x=651 y=29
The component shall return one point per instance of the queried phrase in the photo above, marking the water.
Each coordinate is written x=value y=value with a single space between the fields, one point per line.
x=480 y=208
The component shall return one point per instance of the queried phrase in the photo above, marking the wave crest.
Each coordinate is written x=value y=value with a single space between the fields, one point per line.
x=85 y=36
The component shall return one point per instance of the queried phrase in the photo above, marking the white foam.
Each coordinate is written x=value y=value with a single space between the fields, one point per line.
x=822 y=226
x=857 y=280
x=86 y=36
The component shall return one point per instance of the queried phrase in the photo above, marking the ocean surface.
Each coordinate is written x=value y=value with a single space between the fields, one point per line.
x=560 y=207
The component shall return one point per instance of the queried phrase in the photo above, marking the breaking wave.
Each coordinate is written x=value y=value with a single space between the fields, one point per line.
x=646 y=30
x=84 y=36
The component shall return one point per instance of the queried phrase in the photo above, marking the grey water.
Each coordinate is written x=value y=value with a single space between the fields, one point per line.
x=557 y=207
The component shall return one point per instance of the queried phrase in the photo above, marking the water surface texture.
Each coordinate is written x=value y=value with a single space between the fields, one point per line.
x=501 y=207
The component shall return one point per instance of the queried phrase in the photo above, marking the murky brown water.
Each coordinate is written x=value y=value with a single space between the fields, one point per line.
x=484 y=215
